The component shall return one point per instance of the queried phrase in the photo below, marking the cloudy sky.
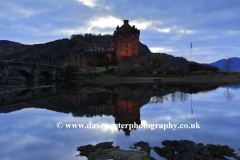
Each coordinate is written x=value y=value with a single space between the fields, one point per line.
x=213 y=26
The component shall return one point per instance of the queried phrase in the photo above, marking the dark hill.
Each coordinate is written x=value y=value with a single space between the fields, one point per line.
x=143 y=50
x=234 y=67
x=56 y=52
x=7 y=46
x=9 y=43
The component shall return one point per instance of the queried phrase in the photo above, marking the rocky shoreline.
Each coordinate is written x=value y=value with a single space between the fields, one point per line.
x=172 y=150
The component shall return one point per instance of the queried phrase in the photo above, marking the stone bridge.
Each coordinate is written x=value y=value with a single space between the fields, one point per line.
x=31 y=71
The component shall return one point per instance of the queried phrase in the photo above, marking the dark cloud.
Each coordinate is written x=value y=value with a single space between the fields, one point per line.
x=212 y=26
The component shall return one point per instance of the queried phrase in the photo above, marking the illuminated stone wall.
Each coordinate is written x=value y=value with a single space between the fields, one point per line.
x=126 y=41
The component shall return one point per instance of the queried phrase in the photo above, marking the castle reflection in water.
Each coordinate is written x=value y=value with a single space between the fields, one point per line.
x=123 y=102
x=123 y=106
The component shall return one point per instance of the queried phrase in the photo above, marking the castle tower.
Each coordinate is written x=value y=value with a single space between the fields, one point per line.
x=126 y=41
x=127 y=112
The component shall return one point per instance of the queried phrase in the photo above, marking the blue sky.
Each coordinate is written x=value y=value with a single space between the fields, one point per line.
x=165 y=26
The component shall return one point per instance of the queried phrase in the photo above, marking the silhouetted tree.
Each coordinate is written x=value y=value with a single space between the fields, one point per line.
x=158 y=60
x=182 y=65
x=69 y=70
x=149 y=58
x=174 y=63
x=229 y=96
x=142 y=62
x=125 y=67
x=227 y=63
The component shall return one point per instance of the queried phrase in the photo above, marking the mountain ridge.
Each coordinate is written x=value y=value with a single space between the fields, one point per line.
x=7 y=46
x=234 y=67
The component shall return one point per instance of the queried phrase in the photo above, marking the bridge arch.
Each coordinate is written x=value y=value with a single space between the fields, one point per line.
x=47 y=76
x=31 y=71
x=27 y=75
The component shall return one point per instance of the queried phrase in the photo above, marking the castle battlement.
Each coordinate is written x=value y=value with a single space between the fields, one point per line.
x=126 y=29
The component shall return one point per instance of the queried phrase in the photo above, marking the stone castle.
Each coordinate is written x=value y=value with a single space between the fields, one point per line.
x=125 y=44
x=126 y=41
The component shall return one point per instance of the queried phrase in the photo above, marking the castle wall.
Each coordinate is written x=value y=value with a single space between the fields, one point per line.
x=126 y=41
x=96 y=58
x=112 y=44
x=126 y=46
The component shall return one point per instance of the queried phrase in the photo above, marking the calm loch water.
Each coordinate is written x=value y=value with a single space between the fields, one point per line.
x=31 y=119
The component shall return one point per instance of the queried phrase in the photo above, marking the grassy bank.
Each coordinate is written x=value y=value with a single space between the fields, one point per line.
x=107 y=75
